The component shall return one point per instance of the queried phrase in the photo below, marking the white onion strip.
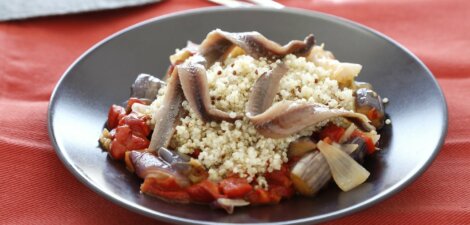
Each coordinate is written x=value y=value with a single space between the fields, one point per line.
x=347 y=133
x=346 y=172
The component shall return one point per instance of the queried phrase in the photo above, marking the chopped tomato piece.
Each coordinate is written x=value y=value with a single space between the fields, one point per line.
x=117 y=150
x=235 y=187
x=114 y=115
x=279 y=177
x=124 y=140
x=204 y=191
x=122 y=133
x=274 y=195
x=137 y=124
x=125 y=136
x=137 y=143
x=258 y=197
x=370 y=146
x=277 y=192
x=333 y=132
x=280 y=184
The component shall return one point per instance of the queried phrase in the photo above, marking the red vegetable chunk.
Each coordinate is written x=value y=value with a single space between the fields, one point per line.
x=204 y=191
x=333 y=132
x=370 y=146
x=258 y=197
x=279 y=177
x=165 y=188
x=137 y=124
x=114 y=116
x=125 y=140
x=235 y=187
x=117 y=150
x=276 y=192
x=280 y=184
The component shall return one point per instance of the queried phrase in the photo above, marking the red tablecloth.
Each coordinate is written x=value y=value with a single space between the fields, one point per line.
x=35 y=188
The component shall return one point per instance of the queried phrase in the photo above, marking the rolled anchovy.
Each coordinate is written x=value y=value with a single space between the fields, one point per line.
x=287 y=117
x=213 y=48
x=218 y=42
x=167 y=116
x=265 y=89
x=196 y=90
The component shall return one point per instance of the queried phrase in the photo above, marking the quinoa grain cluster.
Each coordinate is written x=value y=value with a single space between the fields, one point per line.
x=237 y=147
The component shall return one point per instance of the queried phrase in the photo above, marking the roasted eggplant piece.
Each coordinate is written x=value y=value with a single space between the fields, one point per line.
x=300 y=147
x=146 y=87
x=314 y=170
x=185 y=165
x=310 y=173
x=369 y=103
x=361 y=151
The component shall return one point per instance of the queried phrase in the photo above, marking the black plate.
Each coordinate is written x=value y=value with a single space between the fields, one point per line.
x=102 y=76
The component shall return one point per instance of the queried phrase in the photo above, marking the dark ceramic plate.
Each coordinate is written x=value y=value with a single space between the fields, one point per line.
x=102 y=76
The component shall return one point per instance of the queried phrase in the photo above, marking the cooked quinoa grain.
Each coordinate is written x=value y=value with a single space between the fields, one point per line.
x=237 y=147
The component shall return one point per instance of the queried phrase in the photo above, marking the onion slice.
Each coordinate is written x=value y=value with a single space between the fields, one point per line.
x=346 y=172
x=348 y=148
x=229 y=204
x=347 y=133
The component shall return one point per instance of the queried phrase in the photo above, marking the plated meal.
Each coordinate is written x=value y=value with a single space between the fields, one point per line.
x=240 y=120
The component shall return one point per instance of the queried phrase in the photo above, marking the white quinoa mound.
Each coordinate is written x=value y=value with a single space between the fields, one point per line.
x=237 y=147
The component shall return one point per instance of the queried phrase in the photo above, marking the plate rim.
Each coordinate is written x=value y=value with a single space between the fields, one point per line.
x=154 y=214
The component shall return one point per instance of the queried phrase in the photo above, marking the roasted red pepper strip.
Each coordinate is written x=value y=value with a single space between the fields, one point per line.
x=165 y=188
x=204 y=191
